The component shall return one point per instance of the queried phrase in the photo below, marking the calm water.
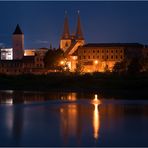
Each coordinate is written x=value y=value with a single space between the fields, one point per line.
x=71 y=119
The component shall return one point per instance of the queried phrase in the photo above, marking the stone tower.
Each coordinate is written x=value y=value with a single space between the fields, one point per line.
x=18 y=43
x=65 y=41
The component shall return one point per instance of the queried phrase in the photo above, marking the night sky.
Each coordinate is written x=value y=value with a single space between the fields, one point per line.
x=102 y=22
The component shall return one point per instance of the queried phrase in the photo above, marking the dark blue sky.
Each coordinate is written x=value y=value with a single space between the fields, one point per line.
x=42 y=22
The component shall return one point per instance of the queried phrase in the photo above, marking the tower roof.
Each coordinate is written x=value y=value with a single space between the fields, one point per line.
x=17 y=30
x=79 y=34
x=66 y=34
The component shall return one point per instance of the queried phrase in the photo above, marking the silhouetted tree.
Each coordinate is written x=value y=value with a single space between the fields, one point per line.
x=121 y=67
x=79 y=68
x=53 y=58
x=135 y=66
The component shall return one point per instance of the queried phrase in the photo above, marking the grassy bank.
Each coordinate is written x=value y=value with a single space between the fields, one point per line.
x=127 y=85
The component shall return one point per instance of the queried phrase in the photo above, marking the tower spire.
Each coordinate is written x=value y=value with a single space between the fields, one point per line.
x=79 y=34
x=66 y=34
x=17 y=30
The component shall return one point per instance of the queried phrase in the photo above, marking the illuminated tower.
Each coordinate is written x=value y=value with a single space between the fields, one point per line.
x=79 y=34
x=18 y=43
x=65 y=41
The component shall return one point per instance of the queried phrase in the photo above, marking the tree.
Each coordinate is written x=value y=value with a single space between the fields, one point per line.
x=144 y=65
x=79 y=68
x=121 y=67
x=135 y=66
x=53 y=58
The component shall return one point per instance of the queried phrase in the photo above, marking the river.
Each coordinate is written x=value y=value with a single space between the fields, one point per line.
x=71 y=119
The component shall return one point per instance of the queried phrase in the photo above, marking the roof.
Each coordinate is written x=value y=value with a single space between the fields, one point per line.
x=17 y=30
x=113 y=44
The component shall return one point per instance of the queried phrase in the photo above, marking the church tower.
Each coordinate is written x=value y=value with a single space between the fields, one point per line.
x=18 y=43
x=79 y=33
x=65 y=41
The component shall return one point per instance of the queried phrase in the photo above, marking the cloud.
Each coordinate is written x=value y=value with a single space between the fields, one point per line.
x=2 y=44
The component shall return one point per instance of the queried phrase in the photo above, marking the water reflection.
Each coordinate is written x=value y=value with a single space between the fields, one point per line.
x=96 y=116
x=14 y=97
x=89 y=122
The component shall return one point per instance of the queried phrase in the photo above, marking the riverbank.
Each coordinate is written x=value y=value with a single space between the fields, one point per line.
x=111 y=84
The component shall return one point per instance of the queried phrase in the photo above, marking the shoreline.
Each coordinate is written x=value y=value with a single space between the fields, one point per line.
x=109 y=85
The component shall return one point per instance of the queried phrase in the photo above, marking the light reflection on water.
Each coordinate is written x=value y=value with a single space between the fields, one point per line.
x=85 y=120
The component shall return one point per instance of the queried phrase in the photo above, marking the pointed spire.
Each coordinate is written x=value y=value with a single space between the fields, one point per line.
x=17 y=30
x=66 y=34
x=79 y=34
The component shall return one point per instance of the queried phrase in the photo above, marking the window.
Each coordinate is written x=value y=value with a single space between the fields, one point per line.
x=111 y=51
x=102 y=57
x=112 y=57
x=107 y=51
x=88 y=57
x=116 y=57
x=93 y=57
x=121 y=57
x=116 y=51
x=102 y=51
x=98 y=51
x=84 y=57
x=93 y=51
x=84 y=51
x=107 y=57
x=97 y=57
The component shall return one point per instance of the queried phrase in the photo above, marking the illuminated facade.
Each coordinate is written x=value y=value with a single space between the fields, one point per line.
x=29 y=52
x=102 y=57
x=7 y=54
x=70 y=43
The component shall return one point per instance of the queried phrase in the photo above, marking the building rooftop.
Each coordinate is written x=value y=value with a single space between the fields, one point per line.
x=17 y=30
x=113 y=45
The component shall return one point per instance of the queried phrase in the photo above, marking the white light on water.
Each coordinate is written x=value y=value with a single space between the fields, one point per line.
x=96 y=117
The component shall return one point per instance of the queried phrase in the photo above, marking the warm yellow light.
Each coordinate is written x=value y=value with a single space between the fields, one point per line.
x=96 y=62
x=62 y=62
x=74 y=57
x=96 y=121
x=96 y=117
x=96 y=100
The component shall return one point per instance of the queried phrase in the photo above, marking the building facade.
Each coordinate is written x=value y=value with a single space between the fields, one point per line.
x=102 y=57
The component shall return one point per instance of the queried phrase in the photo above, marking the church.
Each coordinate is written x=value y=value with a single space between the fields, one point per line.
x=95 y=57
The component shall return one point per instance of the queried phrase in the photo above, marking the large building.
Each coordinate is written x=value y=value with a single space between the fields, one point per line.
x=101 y=57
